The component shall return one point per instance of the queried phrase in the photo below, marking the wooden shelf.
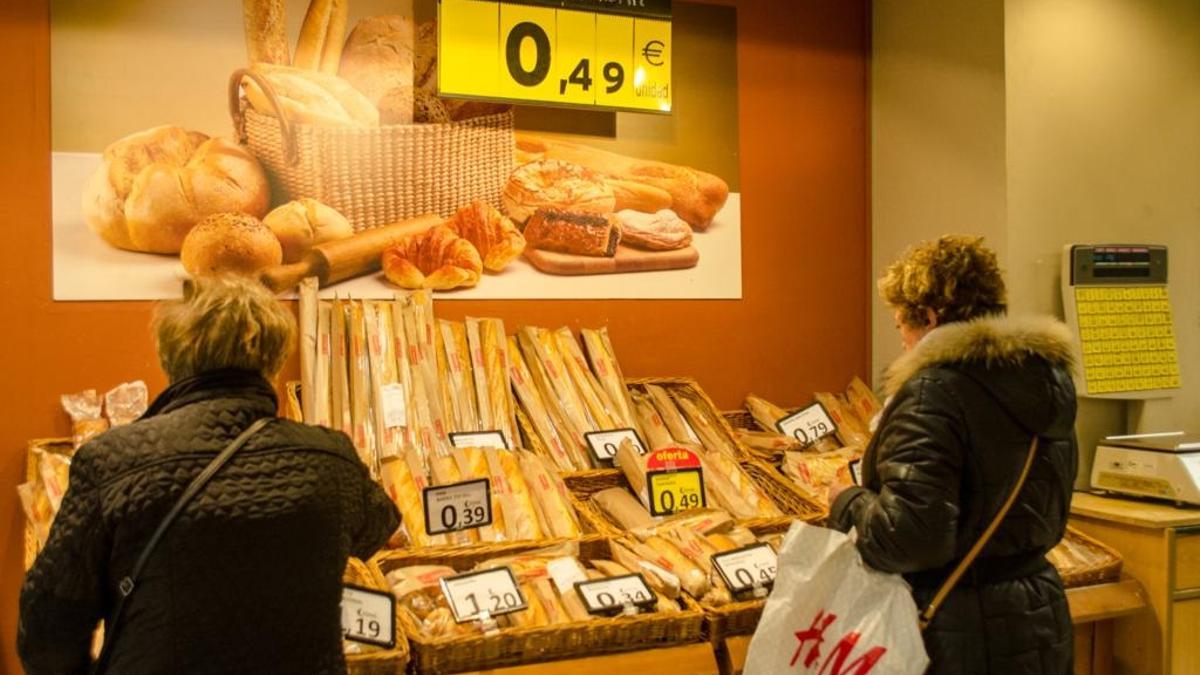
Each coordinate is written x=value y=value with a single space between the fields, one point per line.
x=694 y=658
x=1143 y=513
x=1105 y=601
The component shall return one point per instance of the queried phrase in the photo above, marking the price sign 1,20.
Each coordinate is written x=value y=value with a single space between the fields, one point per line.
x=483 y=595
x=612 y=595
x=745 y=569
x=807 y=425
x=458 y=506
x=368 y=616
x=672 y=491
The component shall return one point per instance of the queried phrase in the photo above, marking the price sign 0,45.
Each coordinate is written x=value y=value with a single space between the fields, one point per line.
x=609 y=596
x=565 y=52
x=483 y=595
x=368 y=616
x=745 y=569
x=672 y=491
x=458 y=506
x=807 y=425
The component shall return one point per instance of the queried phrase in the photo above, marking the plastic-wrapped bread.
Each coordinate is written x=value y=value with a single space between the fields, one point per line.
x=718 y=480
x=572 y=440
x=445 y=384
x=461 y=375
x=633 y=466
x=660 y=579
x=404 y=481
x=308 y=347
x=701 y=521
x=495 y=363
x=520 y=514
x=693 y=546
x=427 y=343
x=608 y=373
x=340 y=377
x=666 y=408
x=743 y=486
x=483 y=404
x=712 y=436
x=765 y=413
x=663 y=553
x=444 y=471
x=400 y=347
x=540 y=344
x=390 y=404
x=623 y=508
x=552 y=606
x=864 y=401
x=472 y=465
x=535 y=409
x=721 y=542
x=360 y=389
x=322 y=411
x=593 y=397
x=533 y=616
x=815 y=472
x=848 y=427
x=654 y=430
x=768 y=441
x=550 y=495
x=423 y=397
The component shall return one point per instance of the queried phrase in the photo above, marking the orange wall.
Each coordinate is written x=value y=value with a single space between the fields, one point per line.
x=802 y=325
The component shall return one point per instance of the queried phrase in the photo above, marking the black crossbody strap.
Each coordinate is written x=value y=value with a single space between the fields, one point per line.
x=128 y=584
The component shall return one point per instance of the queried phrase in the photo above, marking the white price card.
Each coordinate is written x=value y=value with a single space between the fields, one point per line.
x=479 y=439
x=856 y=471
x=481 y=595
x=747 y=568
x=612 y=595
x=458 y=506
x=807 y=425
x=395 y=410
x=604 y=444
x=368 y=616
x=566 y=572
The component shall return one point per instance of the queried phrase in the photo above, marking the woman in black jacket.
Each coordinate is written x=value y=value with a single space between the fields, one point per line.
x=971 y=391
x=248 y=579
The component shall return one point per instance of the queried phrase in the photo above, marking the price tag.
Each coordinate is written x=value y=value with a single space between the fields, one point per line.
x=610 y=596
x=614 y=55
x=604 y=444
x=458 y=506
x=855 y=471
x=808 y=425
x=672 y=491
x=368 y=616
x=482 y=595
x=395 y=410
x=479 y=439
x=566 y=572
x=744 y=569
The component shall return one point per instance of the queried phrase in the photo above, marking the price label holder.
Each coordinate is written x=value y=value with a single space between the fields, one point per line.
x=856 y=471
x=572 y=53
x=368 y=616
x=750 y=569
x=482 y=596
x=625 y=594
x=675 y=490
x=479 y=439
x=604 y=444
x=458 y=506
x=807 y=425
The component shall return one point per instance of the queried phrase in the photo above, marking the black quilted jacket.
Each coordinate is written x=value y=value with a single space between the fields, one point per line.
x=247 y=580
x=965 y=404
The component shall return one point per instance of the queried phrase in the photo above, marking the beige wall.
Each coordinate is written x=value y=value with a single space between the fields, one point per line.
x=1101 y=143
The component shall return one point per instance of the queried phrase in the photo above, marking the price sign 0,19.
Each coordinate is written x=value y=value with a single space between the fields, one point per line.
x=807 y=425
x=482 y=595
x=672 y=491
x=458 y=506
x=368 y=616
x=745 y=569
x=604 y=444
x=609 y=596
x=566 y=52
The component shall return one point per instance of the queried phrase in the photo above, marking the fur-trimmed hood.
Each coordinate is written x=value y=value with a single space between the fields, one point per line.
x=993 y=342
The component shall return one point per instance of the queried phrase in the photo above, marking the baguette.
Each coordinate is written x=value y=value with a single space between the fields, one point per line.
x=331 y=50
x=638 y=196
x=623 y=508
x=319 y=29
x=266 y=31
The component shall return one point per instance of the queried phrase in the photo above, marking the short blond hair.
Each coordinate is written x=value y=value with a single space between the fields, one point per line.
x=223 y=322
x=956 y=276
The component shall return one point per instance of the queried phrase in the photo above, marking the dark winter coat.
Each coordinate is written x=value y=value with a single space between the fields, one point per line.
x=247 y=580
x=966 y=401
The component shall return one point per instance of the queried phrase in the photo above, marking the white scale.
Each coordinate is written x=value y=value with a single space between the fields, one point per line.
x=1165 y=466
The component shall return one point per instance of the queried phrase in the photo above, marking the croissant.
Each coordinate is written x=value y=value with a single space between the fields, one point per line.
x=438 y=259
x=494 y=236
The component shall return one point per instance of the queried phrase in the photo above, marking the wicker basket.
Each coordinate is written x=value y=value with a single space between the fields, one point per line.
x=62 y=446
x=692 y=388
x=735 y=618
x=1105 y=568
x=379 y=175
x=514 y=646
x=377 y=661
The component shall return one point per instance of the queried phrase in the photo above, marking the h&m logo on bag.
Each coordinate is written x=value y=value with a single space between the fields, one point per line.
x=835 y=662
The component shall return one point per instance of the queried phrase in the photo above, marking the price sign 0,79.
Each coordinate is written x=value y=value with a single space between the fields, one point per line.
x=747 y=568
x=672 y=491
x=458 y=506
x=609 y=55
x=807 y=425
x=482 y=595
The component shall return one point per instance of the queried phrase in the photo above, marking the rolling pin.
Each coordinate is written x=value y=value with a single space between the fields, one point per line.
x=344 y=259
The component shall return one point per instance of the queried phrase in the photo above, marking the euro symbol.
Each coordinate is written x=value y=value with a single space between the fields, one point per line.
x=653 y=52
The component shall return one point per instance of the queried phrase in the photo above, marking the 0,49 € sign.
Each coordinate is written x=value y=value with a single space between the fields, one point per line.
x=608 y=54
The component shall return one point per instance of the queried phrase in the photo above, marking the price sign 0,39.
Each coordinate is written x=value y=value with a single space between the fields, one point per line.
x=458 y=506
x=672 y=491
x=368 y=616
x=745 y=569
x=566 y=52
x=807 y=425
x=609 y=596
x=482 y=595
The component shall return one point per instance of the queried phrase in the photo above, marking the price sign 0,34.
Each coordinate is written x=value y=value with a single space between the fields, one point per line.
x=482 y=595
x=565 y=52
x=609 y=596
x=672 y=491
x=368 y=616
x=747 y=568
x=458 y=506
x=807 y=425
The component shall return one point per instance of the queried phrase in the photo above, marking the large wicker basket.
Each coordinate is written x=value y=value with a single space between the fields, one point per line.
x=378 y=175
x=375 y=661
x=60 y=446
x=514 y=646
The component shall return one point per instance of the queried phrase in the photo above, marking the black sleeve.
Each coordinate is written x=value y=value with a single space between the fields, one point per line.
x=380 y=520
x=910 y=524
x=63 y=597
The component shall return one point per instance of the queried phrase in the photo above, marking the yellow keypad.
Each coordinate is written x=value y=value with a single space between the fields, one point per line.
x=1128 y=338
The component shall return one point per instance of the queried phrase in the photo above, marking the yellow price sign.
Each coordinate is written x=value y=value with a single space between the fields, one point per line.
x=676 y=490
x=560 y=52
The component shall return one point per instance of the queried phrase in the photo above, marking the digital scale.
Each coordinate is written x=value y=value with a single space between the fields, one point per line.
x=1166 y=466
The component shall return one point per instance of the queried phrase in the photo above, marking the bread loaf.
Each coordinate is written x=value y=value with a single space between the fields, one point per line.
x=301 y=224
x=321 y=35
x=266 y=31
x=311 y=97
x=230 y=243
x=378 y=61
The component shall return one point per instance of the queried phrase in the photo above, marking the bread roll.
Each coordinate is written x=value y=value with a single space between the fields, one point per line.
x=299 y=225
x=153 y=186
x=311 y=97
x=230 y=243
x=378 y=61
x=266 y=31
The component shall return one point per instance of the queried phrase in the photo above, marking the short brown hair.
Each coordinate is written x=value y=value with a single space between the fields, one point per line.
x=956 y=276
x=223 y=322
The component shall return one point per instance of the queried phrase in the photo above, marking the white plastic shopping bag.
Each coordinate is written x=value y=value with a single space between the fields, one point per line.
x=831 y=614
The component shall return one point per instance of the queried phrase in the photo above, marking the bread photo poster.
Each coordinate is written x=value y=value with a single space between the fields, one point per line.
x=286 y=138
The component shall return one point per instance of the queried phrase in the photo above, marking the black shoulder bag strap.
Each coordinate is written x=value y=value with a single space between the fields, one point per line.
x=128 y=584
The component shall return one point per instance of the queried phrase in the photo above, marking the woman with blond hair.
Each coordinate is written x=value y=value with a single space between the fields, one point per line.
x=245 y=575
x=972 y=391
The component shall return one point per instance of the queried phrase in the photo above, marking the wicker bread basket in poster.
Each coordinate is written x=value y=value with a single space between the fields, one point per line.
x=376 y=176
